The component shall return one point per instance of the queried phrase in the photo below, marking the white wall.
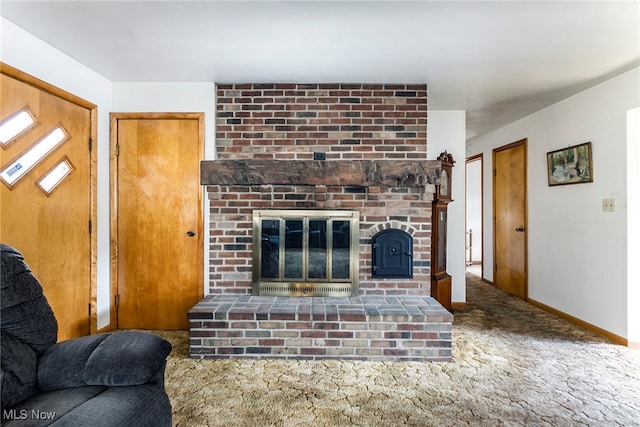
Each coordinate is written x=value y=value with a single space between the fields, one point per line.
x=446 y=130
x=577 y=253
x=31 y=55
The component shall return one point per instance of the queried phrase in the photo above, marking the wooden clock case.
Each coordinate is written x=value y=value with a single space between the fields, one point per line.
x=440 y=279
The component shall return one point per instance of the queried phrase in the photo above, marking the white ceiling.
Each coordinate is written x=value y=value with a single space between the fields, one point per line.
x=499 y=61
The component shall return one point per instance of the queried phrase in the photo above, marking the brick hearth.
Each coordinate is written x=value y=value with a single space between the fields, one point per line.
x=408 y=328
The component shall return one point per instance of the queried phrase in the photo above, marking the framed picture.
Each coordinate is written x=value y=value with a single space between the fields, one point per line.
x=570 y=165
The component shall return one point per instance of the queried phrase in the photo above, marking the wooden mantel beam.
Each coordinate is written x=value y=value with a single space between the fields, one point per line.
x=366 y=173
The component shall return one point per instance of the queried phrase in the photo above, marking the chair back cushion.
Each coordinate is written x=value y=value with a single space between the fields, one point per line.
x=27 y=323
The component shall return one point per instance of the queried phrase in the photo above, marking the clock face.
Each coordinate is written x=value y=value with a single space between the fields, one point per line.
x=444 y=183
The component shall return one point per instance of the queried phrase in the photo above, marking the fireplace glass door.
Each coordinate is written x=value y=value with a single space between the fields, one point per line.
x=309 y=253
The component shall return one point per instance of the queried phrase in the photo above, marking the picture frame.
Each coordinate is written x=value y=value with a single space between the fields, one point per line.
x=571 y=165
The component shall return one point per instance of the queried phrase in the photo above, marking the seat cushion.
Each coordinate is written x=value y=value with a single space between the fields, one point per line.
x=46 y=408
x=139 y=406
x=94 y=406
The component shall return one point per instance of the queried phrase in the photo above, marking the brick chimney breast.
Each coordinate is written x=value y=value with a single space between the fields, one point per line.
x=360 y=127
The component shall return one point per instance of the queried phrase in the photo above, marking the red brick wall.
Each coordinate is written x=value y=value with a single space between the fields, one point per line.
x=294 y=121
x=345 y=121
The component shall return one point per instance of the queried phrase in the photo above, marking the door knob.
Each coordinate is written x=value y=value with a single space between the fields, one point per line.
x=520 y=229
x=191 y=233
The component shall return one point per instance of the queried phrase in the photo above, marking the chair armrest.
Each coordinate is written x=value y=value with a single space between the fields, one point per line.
x=62 y=365
x=127 y=358
x=118 y=359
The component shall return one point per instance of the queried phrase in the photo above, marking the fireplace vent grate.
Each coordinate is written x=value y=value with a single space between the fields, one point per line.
x=305 y=289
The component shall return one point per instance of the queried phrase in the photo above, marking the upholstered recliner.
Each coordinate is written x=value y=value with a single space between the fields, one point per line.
x=111 y=379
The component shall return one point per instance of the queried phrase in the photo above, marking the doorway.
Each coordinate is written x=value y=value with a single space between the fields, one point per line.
x=473 y=215
x=47 y=194
x=156 y=218
x=510 y=218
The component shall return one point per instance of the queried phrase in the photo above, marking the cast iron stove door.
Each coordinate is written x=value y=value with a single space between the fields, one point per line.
x=392 y=254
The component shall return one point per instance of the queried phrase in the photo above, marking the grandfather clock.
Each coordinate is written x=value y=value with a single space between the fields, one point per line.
x=440 y=280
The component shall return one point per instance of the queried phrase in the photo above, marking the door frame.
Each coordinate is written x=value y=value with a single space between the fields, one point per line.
x=26 y=78
x=476 y=158
x=113 y=170
x=523 y=142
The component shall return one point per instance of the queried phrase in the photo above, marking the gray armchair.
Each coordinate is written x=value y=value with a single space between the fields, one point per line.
x=111 y=379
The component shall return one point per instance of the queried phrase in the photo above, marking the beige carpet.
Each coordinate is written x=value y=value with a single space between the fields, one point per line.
x=513 y=365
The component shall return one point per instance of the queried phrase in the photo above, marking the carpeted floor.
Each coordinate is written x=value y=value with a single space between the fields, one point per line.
x=513 y=365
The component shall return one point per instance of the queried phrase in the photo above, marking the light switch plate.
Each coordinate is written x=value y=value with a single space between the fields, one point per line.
x=609 y=205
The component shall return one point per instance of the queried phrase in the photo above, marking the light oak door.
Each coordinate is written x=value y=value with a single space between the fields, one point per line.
x=46 y=194
x=510 y=219
x=158 y=216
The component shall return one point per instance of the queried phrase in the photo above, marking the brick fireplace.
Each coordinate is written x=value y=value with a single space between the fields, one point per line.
x=320 y=147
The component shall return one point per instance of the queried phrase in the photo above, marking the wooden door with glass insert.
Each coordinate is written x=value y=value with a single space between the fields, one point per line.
x=157 y=218
x=46 y=192
x=510 y=218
